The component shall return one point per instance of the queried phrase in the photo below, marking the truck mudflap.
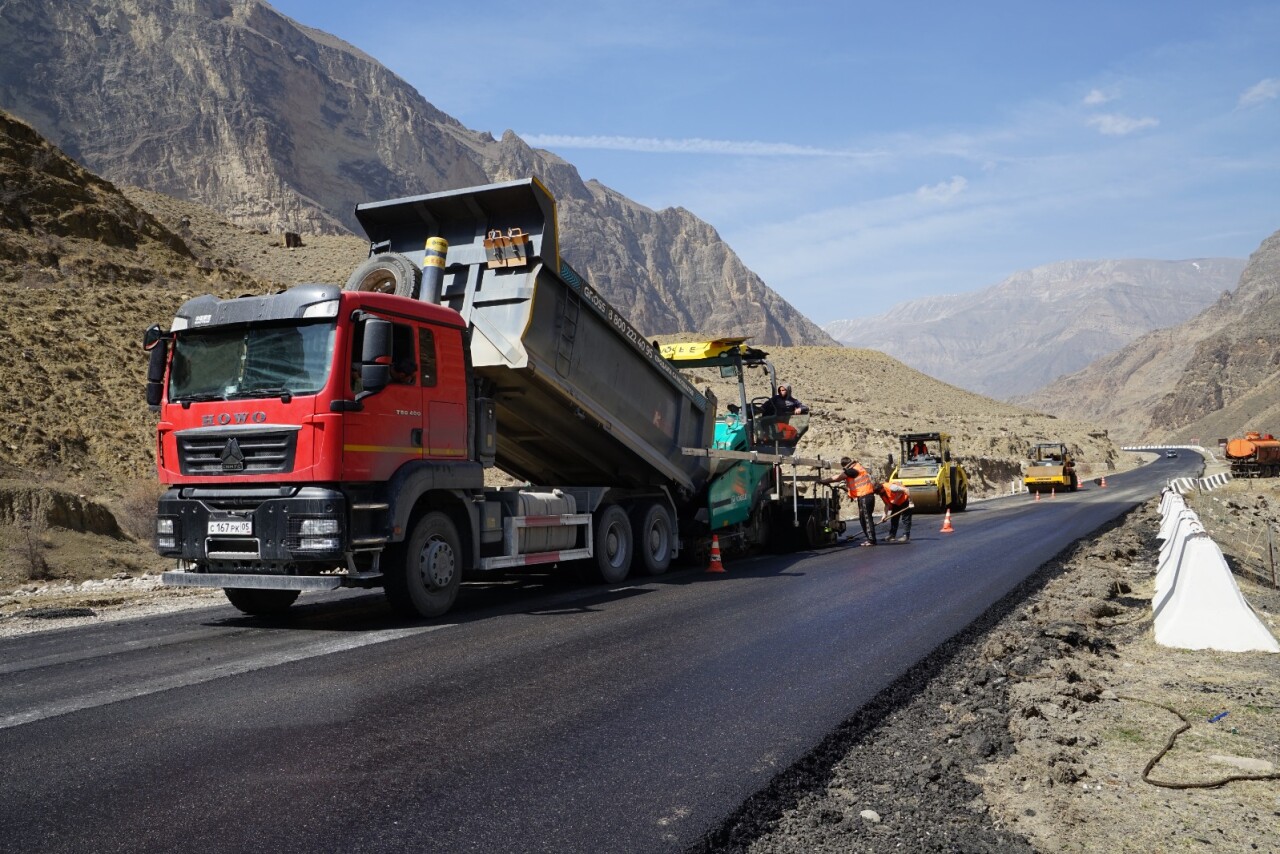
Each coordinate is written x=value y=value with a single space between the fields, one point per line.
x=186 y=578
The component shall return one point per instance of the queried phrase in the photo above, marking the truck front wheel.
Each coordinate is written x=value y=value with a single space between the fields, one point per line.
x=261 y=603
x=424 y=583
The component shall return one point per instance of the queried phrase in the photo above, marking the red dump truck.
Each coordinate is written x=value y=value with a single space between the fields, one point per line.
x=329 y=437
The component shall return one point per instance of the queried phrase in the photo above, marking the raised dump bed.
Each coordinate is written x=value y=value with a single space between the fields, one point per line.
x=581 y=397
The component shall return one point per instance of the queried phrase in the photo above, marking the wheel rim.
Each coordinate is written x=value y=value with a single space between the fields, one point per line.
x=379 y=281
x=613 y=546
x=659 y=540
x=436 y=565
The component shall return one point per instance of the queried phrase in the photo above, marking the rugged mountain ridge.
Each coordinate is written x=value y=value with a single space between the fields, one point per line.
x=1039 y=324
x=1211 y=377
x=278 y=126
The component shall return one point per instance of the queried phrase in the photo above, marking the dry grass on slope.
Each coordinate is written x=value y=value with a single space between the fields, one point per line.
x=221 y=244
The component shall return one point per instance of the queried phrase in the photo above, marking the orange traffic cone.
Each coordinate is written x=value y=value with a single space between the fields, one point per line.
x=1104 y=482
x=946 y=523
x=1053 y=490
x=1037 y=495
x=715 y=565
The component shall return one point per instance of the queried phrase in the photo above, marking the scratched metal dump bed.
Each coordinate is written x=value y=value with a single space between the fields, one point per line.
x=581 y=398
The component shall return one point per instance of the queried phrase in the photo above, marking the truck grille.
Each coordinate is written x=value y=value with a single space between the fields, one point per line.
x=238 y=452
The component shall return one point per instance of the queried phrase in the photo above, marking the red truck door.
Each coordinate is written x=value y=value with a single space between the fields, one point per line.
x=388 y=430
x=444 y=392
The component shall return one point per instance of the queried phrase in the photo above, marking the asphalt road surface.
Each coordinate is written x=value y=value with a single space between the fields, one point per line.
x=540 y=717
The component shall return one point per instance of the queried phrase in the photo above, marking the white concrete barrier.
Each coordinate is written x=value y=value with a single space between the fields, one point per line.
x=1187 y=525
x=1171 y=521
x=1171 y=498
x=1197 y=603
x=1188 y=485
x=1203 y=607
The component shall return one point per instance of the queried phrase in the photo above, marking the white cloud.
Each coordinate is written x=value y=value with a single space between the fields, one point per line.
x=944 y=192
x=1264 y=90
x=650 y=145
x=1097 y=97
x=1114 y=124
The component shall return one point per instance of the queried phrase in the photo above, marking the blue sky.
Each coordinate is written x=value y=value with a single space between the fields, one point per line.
x=856 y=155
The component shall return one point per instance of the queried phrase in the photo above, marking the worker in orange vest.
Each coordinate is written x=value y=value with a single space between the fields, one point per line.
x=862 y=490
x=897 y=505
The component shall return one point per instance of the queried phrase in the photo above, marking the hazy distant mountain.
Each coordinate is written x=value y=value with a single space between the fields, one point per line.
x=277 y=125
x=1210 y=377
x=1040 y=324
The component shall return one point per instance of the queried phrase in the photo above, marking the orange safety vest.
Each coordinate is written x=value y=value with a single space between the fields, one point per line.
x=895 y=494
x=858 y=484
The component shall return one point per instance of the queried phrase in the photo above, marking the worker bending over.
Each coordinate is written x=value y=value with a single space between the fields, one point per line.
x=897 y=505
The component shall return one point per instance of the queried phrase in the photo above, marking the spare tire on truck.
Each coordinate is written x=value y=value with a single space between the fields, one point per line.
x=386 y=273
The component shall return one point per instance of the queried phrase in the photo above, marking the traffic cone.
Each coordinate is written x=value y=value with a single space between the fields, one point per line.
x=1037 y=495
x=1053 y=490
x=1104 y=482
x=715 y=565
x=946 y=523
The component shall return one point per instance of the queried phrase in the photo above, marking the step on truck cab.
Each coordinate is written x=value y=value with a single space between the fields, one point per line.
x=330 y=437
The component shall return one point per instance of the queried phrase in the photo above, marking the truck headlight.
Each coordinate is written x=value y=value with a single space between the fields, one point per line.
x=319 y=535
x=318 y=527
x=166 y=533
x=319 y=544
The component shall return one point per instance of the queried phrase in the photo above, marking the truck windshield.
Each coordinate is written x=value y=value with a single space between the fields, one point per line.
x=251 y=361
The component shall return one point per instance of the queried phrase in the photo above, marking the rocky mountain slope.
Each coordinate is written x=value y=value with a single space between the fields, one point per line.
x=1040 y=324
x=280 y=126
x=1211 y=377
x=85 y=269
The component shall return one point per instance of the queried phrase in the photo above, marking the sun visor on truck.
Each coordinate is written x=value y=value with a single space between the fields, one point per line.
x=480 y=223
x=295 y=303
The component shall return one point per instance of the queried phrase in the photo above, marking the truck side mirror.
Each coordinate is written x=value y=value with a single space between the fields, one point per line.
x=375 y=356
x=374 y=378
x=153 y=336
x=159 y=357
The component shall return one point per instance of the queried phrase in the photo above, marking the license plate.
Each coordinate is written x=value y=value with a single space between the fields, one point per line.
x=231 y=527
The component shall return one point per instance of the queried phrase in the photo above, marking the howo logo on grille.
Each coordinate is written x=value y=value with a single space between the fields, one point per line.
x=232 y=456
x=224 y=418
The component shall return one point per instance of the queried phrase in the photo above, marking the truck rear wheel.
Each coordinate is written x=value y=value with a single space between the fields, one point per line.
x=612 y=544
x=261 y=603
x=386 y=273
x=654 y=536
x=424 y=583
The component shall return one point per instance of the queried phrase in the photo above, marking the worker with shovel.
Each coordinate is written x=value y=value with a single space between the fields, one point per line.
x=897 y=505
